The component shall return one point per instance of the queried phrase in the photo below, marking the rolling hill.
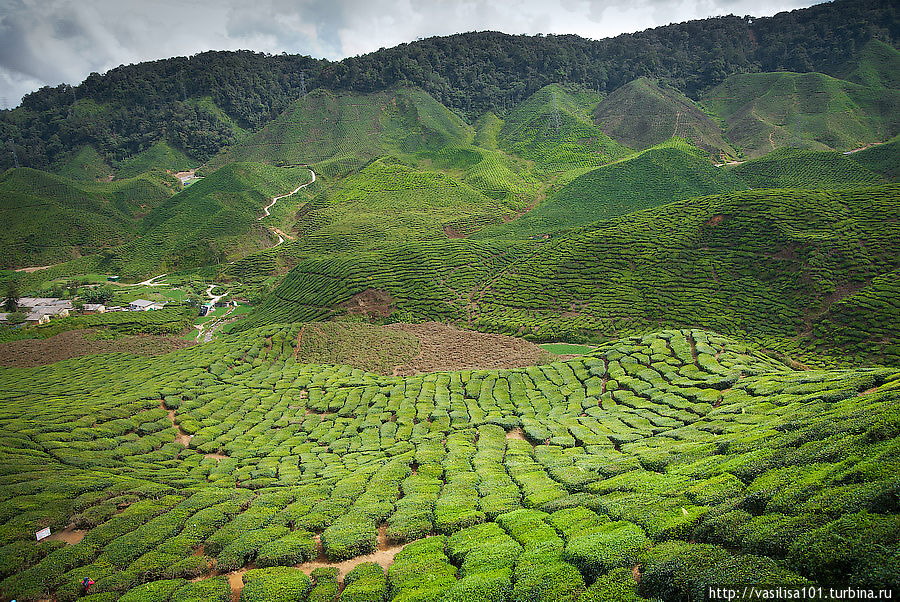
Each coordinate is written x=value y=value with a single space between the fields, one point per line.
x=765 y=111
x=340 y=132
x=643 y=113
x=664 y=173
x=553 y=128
x=757 y=264
x=50 y=219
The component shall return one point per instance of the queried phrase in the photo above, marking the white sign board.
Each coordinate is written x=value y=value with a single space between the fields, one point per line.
x=43 y=533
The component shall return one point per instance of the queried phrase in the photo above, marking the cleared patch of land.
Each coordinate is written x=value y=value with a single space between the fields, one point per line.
x=74 y=343
x=443 y=347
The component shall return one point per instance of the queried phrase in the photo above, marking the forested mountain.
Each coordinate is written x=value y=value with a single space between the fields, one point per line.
x=196 y=102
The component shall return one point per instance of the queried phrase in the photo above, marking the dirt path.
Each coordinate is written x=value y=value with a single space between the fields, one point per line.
x=180 y=437
x=384 y=555
x=864 y=147
x=281 y=236
x=37 y=268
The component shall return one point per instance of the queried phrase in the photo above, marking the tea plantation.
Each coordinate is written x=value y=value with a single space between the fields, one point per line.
x=717 y=282
x=682 y=456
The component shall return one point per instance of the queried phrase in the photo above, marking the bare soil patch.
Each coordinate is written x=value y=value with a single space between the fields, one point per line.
x=516 y=433
x=70 y=535
x=714 y=220
x=74 y=343
x=371 y=302
x=451 y=232
x=384 y=555
x=446 y=348
x=36 y=268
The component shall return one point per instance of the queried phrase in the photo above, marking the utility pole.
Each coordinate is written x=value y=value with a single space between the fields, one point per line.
x=302 y=84
x=183 y=91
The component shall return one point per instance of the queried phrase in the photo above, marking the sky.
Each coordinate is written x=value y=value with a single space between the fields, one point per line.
x=48 y=42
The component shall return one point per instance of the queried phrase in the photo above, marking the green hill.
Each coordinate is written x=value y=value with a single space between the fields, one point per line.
x=158 y=156
x=643 y=113
x=389 y=201
x=664 y=173
x=209 y=222
x=553 y=128
x=796 y=168
x=338 y=132
x=49 y=219
x=765 y=111
x=877 y=65
x=87 y=165
x=883 y=158
x=755 y=263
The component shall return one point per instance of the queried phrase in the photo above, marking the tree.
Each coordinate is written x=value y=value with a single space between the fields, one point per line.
x=12 y=296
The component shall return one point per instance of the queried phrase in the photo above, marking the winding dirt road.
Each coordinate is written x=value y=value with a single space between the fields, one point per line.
x=266 y=213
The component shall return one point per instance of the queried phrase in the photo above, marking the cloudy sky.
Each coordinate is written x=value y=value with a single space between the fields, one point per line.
x=47 y=42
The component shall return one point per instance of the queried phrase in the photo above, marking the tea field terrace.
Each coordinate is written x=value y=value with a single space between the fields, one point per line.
x=546 y=481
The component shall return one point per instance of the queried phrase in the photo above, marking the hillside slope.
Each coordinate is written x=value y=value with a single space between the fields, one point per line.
x=765 y=111
x=758 y=263
x=664 y=173
x=339 y=132
x=553 y=128
x=209 y=222
x=797 y=168
x=48 y=218
x=643 y=113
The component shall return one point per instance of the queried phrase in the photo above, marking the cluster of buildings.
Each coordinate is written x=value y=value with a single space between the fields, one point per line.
x=40 y=310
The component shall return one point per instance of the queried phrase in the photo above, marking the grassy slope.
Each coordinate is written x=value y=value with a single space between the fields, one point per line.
x=764 y=111
x=667 y=172
x=877 y=65
x=529 y=130
x=342 y=131
x=86 y=165
x=758 y=263
x=883 y=159
x=643 y=113
x=796 y=168
x=49 y=218
x=212 y=220
x=158 y=156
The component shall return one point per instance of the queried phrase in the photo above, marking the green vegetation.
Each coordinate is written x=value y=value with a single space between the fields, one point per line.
x=160 y=155
x=740 y=255
x=668 y=172
x=566 y=348
x=631 y=450
x=765 y=111
x=51 y=219
x=553 y=127
x=795 y=168
x=883 y=159
x=644 y=113
x=341 y=132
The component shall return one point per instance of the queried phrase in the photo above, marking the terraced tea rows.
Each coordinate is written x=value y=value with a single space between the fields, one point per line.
x=759 y=263
x=540 y=483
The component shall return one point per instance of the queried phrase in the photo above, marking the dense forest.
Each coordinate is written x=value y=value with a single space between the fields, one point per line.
x=125 y=110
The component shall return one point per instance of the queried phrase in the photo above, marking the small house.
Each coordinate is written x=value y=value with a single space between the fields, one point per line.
x=93 y=308
x=144 y=305
x=205 y=309
x=112 y=278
